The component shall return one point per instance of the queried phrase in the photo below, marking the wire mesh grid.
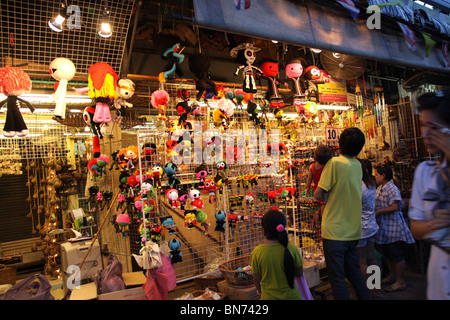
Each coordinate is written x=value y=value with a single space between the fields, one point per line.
x=28 y=42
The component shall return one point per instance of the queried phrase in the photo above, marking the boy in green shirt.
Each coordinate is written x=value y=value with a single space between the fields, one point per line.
x=341 y=220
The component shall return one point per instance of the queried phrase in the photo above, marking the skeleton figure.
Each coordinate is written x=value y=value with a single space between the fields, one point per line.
x=246 y=56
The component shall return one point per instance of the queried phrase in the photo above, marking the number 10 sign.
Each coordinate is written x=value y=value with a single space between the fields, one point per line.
x=331 y=134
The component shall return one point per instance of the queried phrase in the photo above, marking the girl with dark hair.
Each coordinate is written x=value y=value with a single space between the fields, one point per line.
x=393 y=232
x=276 y=262
x=429 y=209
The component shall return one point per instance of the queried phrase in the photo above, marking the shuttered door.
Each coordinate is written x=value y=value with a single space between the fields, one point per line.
x=14 y=225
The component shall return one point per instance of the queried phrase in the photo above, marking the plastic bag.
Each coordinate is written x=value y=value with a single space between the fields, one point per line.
x=169 y=270
x=155 y=287
x=110 y=279
x=30 y=289
x=303 y=288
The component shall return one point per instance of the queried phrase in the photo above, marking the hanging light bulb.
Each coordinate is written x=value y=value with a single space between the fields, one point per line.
x=105 y=29
x=56 y=24
x=316 y=50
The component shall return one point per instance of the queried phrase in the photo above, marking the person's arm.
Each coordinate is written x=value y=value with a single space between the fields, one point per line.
x=319 y=194
x=388 y=210
x=421 y=229
x=310 y=178
x=257 y=281
x=298 y=272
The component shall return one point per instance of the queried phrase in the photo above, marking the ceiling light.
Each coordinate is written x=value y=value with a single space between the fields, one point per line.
x=332 y=107
x=56 y=24
x=105 y=30
x=316 y=50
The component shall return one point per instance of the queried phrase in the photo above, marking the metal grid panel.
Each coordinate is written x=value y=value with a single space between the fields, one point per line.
x=36 y=45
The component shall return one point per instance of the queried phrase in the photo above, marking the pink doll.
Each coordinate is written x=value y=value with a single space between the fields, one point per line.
x=123 y=220
x=13 y=83
x=63 y=70
x=294 y=71
x=159 y=100
x=196 y=200
x=172 y=197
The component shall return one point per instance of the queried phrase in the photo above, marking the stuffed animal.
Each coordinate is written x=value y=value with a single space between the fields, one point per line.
x=220 y=221
x=279 y=116
x=123 y=221
x=174 y=58
x=201 y=172
x=97 y=166
x=183 y=110
x=13 y=83
x=157 y=173
x=159 y=100
x=175 y=253
x=252 y=112
x=88 y=116
x=199 y=64
x=169 y=224
x=183 y=196
x=294 y=71
x=172 y=197
x=170 y=170
x=270 y=71
x=202 y=219
x=155 y=232
x=190 y=220
x=196 y=200
x=63 y=70
x=131 y=155
x=102 y=81
x=125 y=91
x=245 y=55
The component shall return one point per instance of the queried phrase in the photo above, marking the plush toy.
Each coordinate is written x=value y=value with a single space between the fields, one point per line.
x=149 y=150
x=159 y=100
x=175 y=253
x=123 y=221
x=63 y=70
x=224 y=110
x=312 y=76
x=196 y=200
x=245 y=54
x=249 y=199
x=157 y=173
x=147 y=189
x=183 y=196
x=172 y=197
x=13 y=83
x=220 y=221
x=202 y=219
x=199 y=64
x=97 y=166
x=131 y=155
x=253 y=113
x=125 y=91
x=201 y=172
x=183 y=110
x=155 y=232
x=102 y=81
x=210 y=188
x=169 y=224
x=170 y=170
x=174 y=58
x=232 y=219
x=279 y=116
x=270 y=71
x=294 y=71
x=197 y=111
x=190 y=220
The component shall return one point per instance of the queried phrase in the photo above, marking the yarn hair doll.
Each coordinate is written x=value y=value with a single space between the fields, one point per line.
x=13 y=83
x=102 y=83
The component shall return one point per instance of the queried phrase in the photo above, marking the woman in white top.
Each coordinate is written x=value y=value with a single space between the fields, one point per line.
x=429 y=210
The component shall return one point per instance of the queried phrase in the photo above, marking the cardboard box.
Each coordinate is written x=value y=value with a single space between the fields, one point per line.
x=127 y=294
x=134 y=279
x=238 y=293
x=86 y=291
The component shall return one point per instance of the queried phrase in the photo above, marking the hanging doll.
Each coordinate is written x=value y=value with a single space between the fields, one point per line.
x=175 y=253
x=183 y=110
x=196 y=200
x=201 y=173
x=190 y=220
x=279 y=116
x=252 y=112
x=157 y=173
x=294 y=71
x=220 y=221
x=202 y=219
x=88 y=116
x=102 y=81
x=159 y=100
x=13 y=83
x=172 y=197
x=197 y=111
x=313 y=76
x=183 y=196
x=210 y=188
x=199 y=64
x=123 y=221
x=131 y=155
x=270 y=71
x=174 y=58
x=170 y=169
x=63 y=70
x=125 y=90
x=245 y=54
x=155 y=232
x=224 y=110
x=169 y=224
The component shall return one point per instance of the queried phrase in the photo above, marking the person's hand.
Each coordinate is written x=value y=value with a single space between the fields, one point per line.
x=441 y=141
x=315 y=224
x=440 y=220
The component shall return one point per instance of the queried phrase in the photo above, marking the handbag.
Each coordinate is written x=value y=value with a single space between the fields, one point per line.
x=155 y=287
x=34 y=287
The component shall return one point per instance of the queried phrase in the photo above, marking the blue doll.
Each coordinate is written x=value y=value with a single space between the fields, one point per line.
x=175 y=253
x=220 y=221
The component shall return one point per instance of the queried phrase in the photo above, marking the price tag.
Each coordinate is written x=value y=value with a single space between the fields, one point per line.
x=331 y=134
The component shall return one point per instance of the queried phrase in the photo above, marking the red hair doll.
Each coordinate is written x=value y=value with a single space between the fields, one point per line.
x=13 y=83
